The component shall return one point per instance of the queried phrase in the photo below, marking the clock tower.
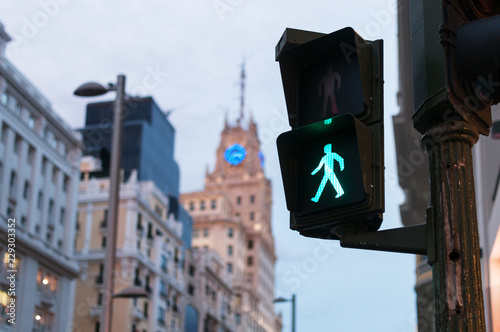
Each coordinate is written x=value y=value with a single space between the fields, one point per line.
x=232 y=216
x=239 y=174
x=239 y=151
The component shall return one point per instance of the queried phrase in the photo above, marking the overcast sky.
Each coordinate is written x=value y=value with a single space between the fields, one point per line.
x=187 y=55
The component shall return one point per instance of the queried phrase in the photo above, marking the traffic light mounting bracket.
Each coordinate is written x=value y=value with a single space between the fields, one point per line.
x=408 y=239
x=416 y=239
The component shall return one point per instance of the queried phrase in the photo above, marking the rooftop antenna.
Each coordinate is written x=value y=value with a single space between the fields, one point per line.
x=242 y=97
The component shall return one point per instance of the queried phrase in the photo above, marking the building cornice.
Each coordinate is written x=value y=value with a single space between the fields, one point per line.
x=31 y=93
x=33 y=246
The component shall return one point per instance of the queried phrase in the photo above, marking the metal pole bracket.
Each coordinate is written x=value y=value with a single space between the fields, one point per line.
x=409 y=240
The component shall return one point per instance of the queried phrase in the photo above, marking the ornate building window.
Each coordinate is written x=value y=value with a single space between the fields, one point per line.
x=42 y=320
x=46 y=283
x=4 y=99
x=163 y=263
x=26 y=189
x=250 y=260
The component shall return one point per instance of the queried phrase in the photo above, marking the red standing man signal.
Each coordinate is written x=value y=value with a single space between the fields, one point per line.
x=327 y=85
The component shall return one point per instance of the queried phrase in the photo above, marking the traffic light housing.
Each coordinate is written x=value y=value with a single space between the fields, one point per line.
x=308 y=58
x=332 y=161
x=456 y=60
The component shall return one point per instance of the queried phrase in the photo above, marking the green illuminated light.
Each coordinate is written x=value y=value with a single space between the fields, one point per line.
x=327 y=162
x=328 y=121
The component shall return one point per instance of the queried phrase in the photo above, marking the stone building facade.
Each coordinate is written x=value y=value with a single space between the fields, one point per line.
x=148 y=255
x=232 y=216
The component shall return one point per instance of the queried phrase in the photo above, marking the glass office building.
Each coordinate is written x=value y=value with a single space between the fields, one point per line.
x=147 y=147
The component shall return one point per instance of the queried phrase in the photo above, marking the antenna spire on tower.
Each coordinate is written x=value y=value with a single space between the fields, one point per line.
x=242 y=84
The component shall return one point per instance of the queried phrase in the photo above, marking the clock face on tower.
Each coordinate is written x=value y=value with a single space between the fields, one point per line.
x=235 y=154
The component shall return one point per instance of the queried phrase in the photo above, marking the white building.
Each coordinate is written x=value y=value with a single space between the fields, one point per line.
x=39 y=175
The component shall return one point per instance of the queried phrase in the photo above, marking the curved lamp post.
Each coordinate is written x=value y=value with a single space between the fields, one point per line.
x=95 y=89
x=282 y=299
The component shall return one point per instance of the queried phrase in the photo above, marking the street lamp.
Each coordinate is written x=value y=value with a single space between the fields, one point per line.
x=282 y=299
x=95 y=89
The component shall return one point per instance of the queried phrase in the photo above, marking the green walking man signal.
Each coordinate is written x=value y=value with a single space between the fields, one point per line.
x=327 y=161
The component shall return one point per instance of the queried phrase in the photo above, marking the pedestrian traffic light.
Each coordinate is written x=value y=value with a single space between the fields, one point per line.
x=332 y=160
x=463 y=81
x=473 y=57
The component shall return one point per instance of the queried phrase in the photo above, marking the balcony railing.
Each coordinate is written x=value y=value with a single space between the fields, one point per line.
x=139 y=230
x=95 y=311
x=47 y=295
x=136 y=314
x=51 y=223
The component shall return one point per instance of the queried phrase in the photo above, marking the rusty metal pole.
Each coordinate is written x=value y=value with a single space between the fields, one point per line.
x=458 y=297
